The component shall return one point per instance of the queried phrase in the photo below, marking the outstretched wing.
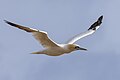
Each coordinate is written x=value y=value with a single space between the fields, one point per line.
x=41 y=36
x=91 y=30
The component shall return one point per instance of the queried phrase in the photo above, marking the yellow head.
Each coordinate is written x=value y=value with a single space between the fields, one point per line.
x=74 y=47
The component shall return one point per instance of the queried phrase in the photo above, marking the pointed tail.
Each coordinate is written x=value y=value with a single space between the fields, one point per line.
x=37 y=52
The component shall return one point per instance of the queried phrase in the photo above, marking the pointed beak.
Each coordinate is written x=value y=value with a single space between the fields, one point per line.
x=82 y=49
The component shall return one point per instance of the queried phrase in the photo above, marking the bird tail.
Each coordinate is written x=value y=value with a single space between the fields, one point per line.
x=37 y=52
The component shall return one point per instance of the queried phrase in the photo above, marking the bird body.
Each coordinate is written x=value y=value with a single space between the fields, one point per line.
x=51 y=47
x=56 y=51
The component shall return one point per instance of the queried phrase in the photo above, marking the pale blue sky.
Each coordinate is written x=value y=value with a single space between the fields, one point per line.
x=62 y=19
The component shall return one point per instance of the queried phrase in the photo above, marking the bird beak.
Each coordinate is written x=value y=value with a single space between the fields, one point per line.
x=82 y=49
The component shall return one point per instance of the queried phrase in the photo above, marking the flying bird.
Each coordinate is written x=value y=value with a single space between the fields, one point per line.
x=54 y=49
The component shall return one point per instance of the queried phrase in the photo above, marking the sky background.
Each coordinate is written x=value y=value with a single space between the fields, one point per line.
x=62 y=19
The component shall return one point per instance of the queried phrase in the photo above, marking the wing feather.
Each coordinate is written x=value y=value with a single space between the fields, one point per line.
x=90 y=31
x=41 y=36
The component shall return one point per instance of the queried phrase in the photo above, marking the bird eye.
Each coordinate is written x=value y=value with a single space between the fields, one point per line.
x=77 y=47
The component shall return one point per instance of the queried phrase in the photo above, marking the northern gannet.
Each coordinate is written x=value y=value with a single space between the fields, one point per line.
x=51 y=47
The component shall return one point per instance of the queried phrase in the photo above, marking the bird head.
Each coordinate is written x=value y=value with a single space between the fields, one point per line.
x=74 y=47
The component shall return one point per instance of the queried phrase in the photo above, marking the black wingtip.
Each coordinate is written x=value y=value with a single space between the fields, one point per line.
x=10 y=23
x=6 y=21
x=100 y=19
x=97 y=23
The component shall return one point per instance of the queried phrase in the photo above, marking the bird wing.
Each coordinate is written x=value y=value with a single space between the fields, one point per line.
x=41 y=36
x=90 y=31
